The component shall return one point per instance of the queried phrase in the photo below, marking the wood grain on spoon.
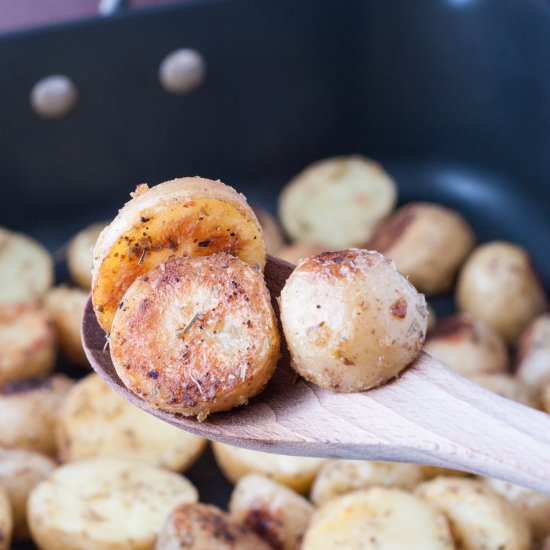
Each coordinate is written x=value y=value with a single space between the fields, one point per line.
x=429 y=415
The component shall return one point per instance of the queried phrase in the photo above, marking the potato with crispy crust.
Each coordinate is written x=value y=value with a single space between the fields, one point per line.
x=507 y=386
x=275 y=513
x=27 y=342
x=196 y=335
x=295 y=472
x=94 y=421
x=533 y=354
x=351 y=320
x=6 y=520
x=206 y=527
x=428 y=242
x=26 y=268
x=80 y=254
x=182 y=217
x=467 y=346
x=273 y=235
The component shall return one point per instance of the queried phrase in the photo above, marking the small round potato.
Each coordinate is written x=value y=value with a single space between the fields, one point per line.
x=295 y=472
x=274 y=512
x=499 y=285
x=80 y=254
x=6 y=520
x=27 y=342
x=337 y=201
x=94 y=421
x=428 y=242
x=533 y=357
x=273 y=235
x=295 y=252
x=378 y=519
x=26 y=268
x=205 y=527
x=20 y=472
x=351 y=320
x=467 y=346
x=480 y=518
x=105 y=504
x=506 y=386
x=66 y=307
x=28 y=410
x=196 y=335
x=339 y=477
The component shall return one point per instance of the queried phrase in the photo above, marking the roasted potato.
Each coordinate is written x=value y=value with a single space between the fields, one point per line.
x=273 y=236
x=295 y=472
x=94 y=421
x=480 y=518
x=507 y=386
x=182 y=217
x=533 y=357
x=196 y=335
x=20 y=472
x=339 y=477
x=66 y=307
x=351 y=320
x=275 y=513
x=105 y=504
x=80 y=254
x=205 y=527
x=378 y=519
x=431 y=472
x=499 y=285
x=295 y=252
x=428 y=242
x=26 y=268
x=337 y=201
x=468 y=346
x=28 y=409
x=27 y=342
x=6 y=520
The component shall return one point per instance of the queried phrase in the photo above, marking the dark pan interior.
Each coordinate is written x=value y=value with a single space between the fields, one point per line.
x=453 y=97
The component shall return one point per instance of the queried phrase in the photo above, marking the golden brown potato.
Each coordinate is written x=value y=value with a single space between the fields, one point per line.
x=337 y=201
x=94 y=421
x=28 y=409
x=273 y=236
x=182 y=217
x=105 y=504
x=27 y=342
x=80 y=254
x=295 y=472
x=295 y=252
x=26 y=268
x=340 y=477
x=533 y=357
x=351 y=320
x=480 y=518
x=66 y=307
x=428 y=242
x=499 y=285
x=467 y=346
x=506 y=386
x=205 y=527
x=196 y=335
x=378 y=519
x=275 y=513
x=6 y=520
x=20 y=472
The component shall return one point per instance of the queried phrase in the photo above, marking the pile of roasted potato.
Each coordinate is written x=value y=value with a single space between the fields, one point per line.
x=81 y=468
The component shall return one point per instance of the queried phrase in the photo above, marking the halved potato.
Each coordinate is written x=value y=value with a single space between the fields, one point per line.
x=80 y=254
x=378 y=519
x=507 y=386
x=182 y=217
x=295 y=472
x=27 y=342
x=20 y=472
x=6 y=520
x=105 y=504
x=94 y=421
x=66 y=307
x=26 y=268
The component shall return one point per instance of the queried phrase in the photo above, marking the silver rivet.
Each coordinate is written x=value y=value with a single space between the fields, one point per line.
x=53 y=96
x=182 y=71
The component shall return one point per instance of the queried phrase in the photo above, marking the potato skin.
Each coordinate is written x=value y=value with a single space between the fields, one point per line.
x=499 y=285
x=533 y=355
x=428 y=243
x=351 y=320
x=196 y=335
x=206 y=527
x=94 y=421
x=275 y=513
x=80 y=254
x=181 y=217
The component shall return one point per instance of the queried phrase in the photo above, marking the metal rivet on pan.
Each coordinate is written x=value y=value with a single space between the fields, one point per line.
x=53 y=96
x=182 y=71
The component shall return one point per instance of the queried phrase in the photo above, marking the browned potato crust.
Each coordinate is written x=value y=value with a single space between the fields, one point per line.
x=80 y=255
x=533 y=357
x=196 y=335
x=182 y=217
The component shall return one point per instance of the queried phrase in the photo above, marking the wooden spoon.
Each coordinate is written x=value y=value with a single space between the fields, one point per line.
x=429 y=415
